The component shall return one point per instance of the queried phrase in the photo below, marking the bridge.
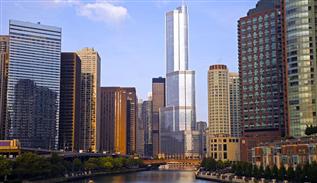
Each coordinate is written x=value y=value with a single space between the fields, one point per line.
x=174 y=164
x=195 y=162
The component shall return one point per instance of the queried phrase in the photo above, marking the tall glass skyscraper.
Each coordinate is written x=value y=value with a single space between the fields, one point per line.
x=33 y=84
x=302 y=68
x=179 y=115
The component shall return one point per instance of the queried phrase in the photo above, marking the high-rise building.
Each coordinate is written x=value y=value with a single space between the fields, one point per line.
x=33 y=91
x=147 y=122
x=4 y=63
x=234 y=104
x=218 y=101
x=132 y=109
x=263 y=108
x=179 y=115
x=118 y=120
x=301 y=57
x=158 y=102
x=90 y=104
x=113 y=120
x=140 y=131
x=201 y=127
x=69 y=101
x=221 y=143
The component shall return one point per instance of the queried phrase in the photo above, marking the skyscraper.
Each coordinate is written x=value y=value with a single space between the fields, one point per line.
x=4 y=63
x=234 y=104
x=132 y=109
x=158 y=102
x=218 y=101
x=263 y=108
x=201 y=127
x=147 y=122
x=33 y=93
x=301 y=55
x=90 y=104
x=179 y=115
x=118 y=120
x=70 y=102
x=113 y=120
x=140 y=130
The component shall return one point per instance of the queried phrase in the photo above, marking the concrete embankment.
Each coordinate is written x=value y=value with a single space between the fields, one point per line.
x=86 y=175
x=233 y=179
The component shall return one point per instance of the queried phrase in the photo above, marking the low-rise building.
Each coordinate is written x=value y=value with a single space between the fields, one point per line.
x=224 y=148
x=10 y=147
x=290 y=152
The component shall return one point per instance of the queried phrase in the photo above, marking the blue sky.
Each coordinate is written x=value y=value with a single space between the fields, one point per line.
x=129 y=35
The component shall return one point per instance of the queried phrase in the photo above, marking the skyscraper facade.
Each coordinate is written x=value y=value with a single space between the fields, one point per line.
x=218 y=101
x=179 y=114
x=132 y=109
x=70 y=101
x=4 y=63
x=33 y=91
x=147 y=122
x=262 y=75
x=158 y=102
x=301 y=54
x=201 y=127
x=234 y=104
x=90 y=104
x=140 y=130
x=113 y=120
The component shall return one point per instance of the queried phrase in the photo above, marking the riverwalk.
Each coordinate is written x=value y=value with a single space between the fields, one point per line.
x=230 y=178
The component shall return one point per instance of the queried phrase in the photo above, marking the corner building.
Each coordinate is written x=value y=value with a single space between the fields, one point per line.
x=263 y=107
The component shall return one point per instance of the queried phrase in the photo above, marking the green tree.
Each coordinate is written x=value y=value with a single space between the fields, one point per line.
x=108 y=165
x=77 y=164
x=261 y=171
x=5 y=168
x=290 y=173
x=255 y=171
x=267 y=172
x=275 y=172
x=298 y=173
x=282 y=173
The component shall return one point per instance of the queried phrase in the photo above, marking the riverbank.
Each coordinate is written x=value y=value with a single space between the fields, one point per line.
x=86 y=175
x=229 y=178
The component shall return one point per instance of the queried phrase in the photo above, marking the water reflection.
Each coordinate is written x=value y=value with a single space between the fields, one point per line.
x=147 y=177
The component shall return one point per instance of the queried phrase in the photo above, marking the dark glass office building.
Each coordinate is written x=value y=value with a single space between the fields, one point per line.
x=70 y=102
x=33 y=93
x=158 y=102
x=262 y=75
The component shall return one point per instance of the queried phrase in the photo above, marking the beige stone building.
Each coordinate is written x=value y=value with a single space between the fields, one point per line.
x=90 y=106
x=224 y=148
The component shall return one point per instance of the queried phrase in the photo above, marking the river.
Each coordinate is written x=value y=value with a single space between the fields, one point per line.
x=158 y=176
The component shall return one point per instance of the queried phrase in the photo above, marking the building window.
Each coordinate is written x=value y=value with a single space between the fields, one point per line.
x=225 y=156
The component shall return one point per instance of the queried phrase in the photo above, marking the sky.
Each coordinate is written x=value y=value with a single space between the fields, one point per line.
x=129 y=36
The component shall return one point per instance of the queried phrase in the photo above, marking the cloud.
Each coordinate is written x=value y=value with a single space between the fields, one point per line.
x=99 y=11
x=103 y=12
